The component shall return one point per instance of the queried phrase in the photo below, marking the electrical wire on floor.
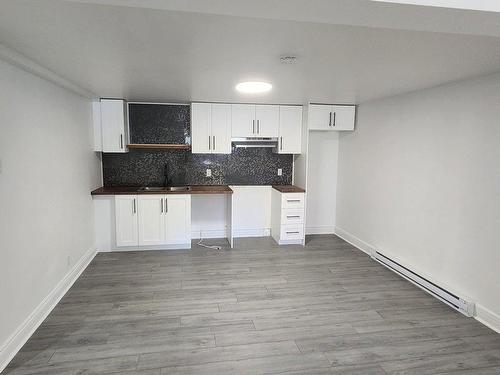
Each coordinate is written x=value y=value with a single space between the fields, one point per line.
x=213 y=247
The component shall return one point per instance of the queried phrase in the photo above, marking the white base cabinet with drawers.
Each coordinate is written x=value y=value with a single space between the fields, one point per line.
x=152 y=220
x=287 y=217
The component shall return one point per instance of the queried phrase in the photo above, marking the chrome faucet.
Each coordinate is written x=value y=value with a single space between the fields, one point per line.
x=166 y=181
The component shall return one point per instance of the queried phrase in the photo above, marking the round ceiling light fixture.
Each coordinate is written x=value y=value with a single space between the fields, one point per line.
x=254 y=87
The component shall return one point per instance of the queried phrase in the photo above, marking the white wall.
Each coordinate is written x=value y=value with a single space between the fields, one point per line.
x=420 y=180
x=46 y=212
x=322 y=161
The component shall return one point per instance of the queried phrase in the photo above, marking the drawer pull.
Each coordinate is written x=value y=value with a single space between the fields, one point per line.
x=295 y=232
x=292 y=216
x=293 y=200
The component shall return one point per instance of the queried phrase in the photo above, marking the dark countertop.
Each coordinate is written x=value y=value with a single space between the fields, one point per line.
x=288 y=189
x=194 y=189
x=198 y=189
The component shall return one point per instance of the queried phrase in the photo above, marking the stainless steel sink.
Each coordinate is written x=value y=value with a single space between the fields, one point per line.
x=178 y=188
x=152 y=188
x=168 y=188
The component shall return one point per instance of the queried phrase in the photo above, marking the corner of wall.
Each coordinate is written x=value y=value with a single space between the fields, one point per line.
x=22 y=334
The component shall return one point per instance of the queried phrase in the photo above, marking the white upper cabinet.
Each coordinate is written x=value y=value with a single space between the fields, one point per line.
x=211 y=128
x=290 y=129
x=267 y=119
x=243 y=120
x=331 y=117
x=200 y=128
x=249 y=120
x=114 y=125
x=96 y=120
x=221 y=128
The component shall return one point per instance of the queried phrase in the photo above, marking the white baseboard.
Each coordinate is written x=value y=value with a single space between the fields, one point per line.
x=354 y=241
x=211 y=233
x=488 y=318
x=483 y=315
x=323 y=229
x=252 y=232
x=16 y=341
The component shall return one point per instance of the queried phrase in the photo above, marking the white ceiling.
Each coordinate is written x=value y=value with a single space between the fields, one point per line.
x=173 y=50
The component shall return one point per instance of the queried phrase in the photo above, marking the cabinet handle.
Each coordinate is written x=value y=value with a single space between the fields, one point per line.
x=134 y=210
x=281 y=141
x=293 y=200
x=166 y=205
x=334 y=118
x=258 y=126
x=209 y=147
x=161 y=205
x=292 y=216
x=330 y=120
x=295 y=232
x=121 y=141
x=214 y=142
x=253 y=126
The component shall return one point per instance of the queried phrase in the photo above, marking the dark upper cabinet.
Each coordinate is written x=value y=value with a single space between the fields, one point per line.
x=159 y=123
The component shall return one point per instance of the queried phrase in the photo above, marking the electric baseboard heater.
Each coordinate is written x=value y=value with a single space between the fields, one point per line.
x=465 y=307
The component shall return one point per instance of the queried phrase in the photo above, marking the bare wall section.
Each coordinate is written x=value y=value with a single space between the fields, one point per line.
x=46 y=217
x=419 y=179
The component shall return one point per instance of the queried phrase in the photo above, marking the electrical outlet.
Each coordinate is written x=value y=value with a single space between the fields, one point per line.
x=209 y=173
x=280 y=172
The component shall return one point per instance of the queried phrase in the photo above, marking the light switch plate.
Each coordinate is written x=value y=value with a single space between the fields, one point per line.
x=280 y=172
x=209 y=173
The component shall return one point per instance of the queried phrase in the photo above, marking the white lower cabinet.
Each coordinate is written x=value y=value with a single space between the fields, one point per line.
x=177 y=219
x=126 y=220
x=287 y=217
x=153 y=220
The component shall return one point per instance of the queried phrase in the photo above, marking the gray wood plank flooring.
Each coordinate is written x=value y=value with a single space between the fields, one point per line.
x=326 y=308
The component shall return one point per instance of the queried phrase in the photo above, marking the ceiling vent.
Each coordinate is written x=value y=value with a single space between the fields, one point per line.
x=288 y=59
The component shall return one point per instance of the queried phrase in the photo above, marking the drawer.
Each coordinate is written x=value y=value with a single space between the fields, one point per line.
x=292 y=216
x=292 y=232
x=292 y=200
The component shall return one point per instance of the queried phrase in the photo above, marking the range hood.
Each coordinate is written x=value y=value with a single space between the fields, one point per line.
x=252 y=142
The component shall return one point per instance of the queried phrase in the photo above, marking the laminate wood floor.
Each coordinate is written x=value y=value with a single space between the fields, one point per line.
x=326 y=308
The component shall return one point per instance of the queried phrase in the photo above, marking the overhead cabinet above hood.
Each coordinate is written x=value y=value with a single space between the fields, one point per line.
x=255 y=121
x=219 y=128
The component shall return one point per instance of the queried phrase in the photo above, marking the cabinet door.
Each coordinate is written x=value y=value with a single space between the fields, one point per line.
x=243 y=120
x=178 y=219
x=289 y=141
x=320 y=117
x=268 y=120
x=114 y=125
x=200 y=128
x=221 y=128
x=343 y=117
x=126 y=220
x=151 y=219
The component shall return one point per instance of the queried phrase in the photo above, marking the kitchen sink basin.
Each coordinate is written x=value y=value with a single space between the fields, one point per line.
x=162 y=188
x=152 y=188
x=178 y=188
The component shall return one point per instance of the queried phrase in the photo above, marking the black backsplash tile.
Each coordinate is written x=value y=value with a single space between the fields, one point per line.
x=159 y=123
x=153 y=123
x=255 y=166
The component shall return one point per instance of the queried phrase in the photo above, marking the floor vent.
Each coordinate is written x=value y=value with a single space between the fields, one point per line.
x=465 y=307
